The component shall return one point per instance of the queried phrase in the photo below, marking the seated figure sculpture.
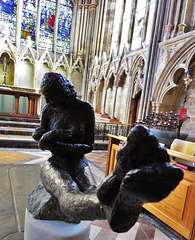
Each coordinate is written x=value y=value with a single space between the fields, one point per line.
x=142 y=174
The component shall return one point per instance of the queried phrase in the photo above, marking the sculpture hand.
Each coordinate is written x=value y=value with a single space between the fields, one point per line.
x=153 y=183
x=45 y=140
x=38 y=133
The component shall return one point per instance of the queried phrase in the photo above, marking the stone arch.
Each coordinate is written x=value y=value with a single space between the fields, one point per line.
x=109 y=84
x=46 y=58
x=28 y=54
x=77 y=80
x=182 y=96
x=10 y=55
x=120 y=76
x=7 y=70
x=121 y=95
x=171 y=98
x=135 y=63
x=24 y=80
x=181 y=57
x=45 y=67
x=110 y=77
x=188 y=60
x=100 y=77
x=62 y=70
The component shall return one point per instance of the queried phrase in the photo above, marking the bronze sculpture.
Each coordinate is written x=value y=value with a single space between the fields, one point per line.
x=142 y=173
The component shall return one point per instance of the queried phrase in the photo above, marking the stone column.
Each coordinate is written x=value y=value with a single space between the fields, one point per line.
x=132 y=22
x=169 y=26
x=16 y=74
x=128 y=100
x=87 y=57
x=114 y=104
x=192 y=10
x=158 y=104
x=118 y=104
x=147 y=10
x=104 y=100
x=153 y=106
x=56 y=26
x=38 y=24
x=182 y=25
x=81 y=27
x=77 y=29
x=35 y=84
x=99 y=101
x=85 y=26
x=121 y=26
x=18 y=22
x=177 y=15
x=109 y=27
x=73 y=28
x=101 y=33
x=96 y=28
x=95 y=99
x=99 y=30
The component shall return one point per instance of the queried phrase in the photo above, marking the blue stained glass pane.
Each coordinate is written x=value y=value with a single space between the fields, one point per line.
x=8 y=10
x=29 y=16
x=64 y=25
x=47 y=23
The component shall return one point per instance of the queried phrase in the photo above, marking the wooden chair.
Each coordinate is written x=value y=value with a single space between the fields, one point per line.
x=183 y=146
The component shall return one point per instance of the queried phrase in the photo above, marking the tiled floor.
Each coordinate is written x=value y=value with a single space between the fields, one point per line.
x=100 y=230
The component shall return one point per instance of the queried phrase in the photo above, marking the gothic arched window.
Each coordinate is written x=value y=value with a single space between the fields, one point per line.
x=8 y=11
x=48 y=10
x=29 y=16
x=64 y=25
x=138 y=25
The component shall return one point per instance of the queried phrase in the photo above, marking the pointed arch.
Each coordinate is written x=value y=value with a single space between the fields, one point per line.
x=46 y=58
x=27 y=53
x=135 y=62
x=180 y=58
x=62 y=61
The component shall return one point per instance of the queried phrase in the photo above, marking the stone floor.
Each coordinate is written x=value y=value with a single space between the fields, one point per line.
x=19 y=175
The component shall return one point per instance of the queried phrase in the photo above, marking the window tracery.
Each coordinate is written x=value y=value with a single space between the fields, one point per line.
x=29 y=16
x=8 y=11
x=64 y=25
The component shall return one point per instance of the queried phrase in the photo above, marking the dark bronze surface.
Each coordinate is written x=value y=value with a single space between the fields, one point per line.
x=142 y=173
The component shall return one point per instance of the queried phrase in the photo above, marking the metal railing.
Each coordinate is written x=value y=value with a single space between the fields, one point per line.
x=102 y=129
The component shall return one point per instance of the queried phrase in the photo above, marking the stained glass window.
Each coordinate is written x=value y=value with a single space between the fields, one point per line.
x=47 y=22
x=8 y=10
x=64 y=25
x=29 y=16
x=138 y=26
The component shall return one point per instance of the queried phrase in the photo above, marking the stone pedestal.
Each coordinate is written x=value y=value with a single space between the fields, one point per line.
x=54 y=230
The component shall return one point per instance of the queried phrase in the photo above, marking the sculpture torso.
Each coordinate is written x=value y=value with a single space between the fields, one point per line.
x=69 y=118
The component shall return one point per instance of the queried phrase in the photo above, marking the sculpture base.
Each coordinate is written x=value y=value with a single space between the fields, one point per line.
x=54 y=230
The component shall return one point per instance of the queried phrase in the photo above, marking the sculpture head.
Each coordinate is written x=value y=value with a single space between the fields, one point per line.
x=57 y=89
x=141 y=149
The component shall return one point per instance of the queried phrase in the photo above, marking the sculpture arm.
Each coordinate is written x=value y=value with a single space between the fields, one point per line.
x=90 y=125
x=40 y=131
x=61 y=149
